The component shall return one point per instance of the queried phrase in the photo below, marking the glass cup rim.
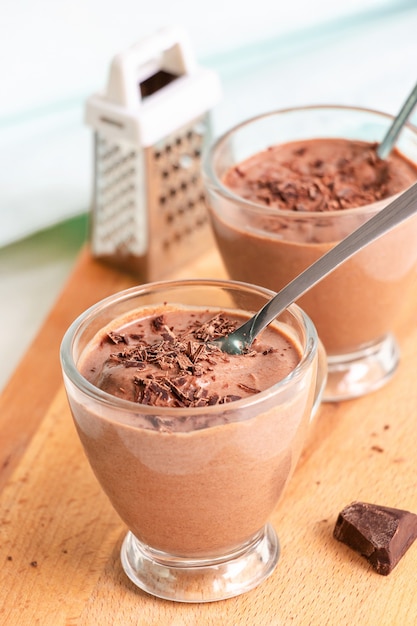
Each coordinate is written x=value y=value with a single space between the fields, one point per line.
x=214 y=182
x=70 y=370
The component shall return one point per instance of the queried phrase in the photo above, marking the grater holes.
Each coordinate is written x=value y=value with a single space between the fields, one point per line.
x=118 y=192
x=182 y=212
x=201 y=221
x=117 y=166
x=107 y=151
x=115 y=189
x=110 y=209
x=120 y=230
x=182 y=221
x=115 y=182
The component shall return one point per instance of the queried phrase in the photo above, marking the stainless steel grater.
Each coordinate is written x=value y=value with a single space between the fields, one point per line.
x=148 y=212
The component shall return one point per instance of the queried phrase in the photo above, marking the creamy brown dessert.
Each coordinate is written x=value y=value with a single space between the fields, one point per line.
x=196 y=455
x=167 y=359
x=308 y=193
x=320 y=175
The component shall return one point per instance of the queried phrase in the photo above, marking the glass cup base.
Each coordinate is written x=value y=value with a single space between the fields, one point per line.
x=200 y=580
x=356 y=374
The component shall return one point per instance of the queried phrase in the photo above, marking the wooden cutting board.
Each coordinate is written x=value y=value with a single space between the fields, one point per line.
x=60 y=538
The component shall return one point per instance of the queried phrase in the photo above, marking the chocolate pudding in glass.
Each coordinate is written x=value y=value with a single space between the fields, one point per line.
x=285 y=187
x=192 y=446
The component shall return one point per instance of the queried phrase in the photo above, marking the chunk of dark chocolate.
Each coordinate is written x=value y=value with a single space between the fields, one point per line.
x=379 y=533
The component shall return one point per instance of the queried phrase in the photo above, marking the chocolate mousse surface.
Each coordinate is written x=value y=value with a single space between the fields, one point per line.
x=320 y=175
x=167 y=359
x=381 y=534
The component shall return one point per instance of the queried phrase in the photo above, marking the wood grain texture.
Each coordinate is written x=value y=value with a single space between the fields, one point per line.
x=60 y=538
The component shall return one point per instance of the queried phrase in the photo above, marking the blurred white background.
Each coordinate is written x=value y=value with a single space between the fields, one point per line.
x=53 y=55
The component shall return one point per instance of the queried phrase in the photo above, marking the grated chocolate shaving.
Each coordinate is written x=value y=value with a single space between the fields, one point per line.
x=116 y=337
x=186 y=356
x=167 y=367
x=313 y=185
x=248 y=389
x=217 y=326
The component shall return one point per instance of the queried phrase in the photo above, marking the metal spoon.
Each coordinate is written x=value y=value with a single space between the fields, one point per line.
x=394 y=130
x=403 y=207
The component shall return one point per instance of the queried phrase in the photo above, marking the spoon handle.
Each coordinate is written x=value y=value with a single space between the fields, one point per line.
x=403 y=207
x=394 y=130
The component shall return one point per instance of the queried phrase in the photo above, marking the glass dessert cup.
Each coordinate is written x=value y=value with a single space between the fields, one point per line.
x=196 y=502
x=357 y=308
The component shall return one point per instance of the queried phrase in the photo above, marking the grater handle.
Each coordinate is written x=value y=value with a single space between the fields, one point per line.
x=168 y=49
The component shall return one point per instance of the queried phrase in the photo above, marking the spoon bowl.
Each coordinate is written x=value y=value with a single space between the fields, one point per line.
x=400 y=209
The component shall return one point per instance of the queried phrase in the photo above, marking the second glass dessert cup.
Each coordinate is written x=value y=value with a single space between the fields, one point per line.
x=196 y=502
x=357 y=308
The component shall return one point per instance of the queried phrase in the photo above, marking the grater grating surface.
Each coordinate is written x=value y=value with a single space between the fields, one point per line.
x=176 y=193
x=116 y=221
